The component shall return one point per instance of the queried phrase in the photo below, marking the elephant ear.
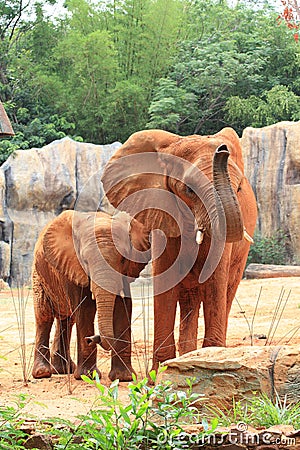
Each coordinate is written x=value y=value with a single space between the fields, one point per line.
x=139 y=236
x=59 y=249
x=134 y=180
x=119 y=234
x=230 y=138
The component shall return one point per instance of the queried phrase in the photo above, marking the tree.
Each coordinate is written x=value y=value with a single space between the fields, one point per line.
x=171 y=106
x=276 y=105
x=109 y=60
x=126 y=111
x=291 y=16
x=237 y=52
x=110 y=68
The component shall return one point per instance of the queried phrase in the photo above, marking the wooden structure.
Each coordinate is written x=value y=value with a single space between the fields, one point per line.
x=5 y=125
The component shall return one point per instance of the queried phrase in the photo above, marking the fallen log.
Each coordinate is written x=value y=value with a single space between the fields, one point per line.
x=271 y=271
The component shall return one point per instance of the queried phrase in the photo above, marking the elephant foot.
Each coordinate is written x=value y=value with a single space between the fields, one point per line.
x=60 y=365
x=87 y=371
x=41 y=369
x=121 y=373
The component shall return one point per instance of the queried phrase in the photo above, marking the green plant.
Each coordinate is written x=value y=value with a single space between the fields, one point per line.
x=260 y=411
x=267 y=412
x=274 y=249
x=155 y=417
x=238 y=412
x=11 y=436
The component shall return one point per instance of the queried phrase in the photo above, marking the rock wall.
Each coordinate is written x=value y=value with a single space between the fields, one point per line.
x=38 y=184
x=272 y=164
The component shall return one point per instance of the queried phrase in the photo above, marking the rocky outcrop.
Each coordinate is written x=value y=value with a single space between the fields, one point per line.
x=38 y=184
x=272 y=164
x=221 y=374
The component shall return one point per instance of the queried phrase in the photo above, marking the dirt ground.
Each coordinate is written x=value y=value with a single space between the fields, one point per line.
x=63 y=396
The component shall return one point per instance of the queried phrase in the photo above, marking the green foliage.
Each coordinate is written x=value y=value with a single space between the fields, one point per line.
x=154 y=416
x=236 y=55
x=36 y=133
x=270 y=250
x=260 y=411
x=171 y=106
x=277 y=412
x=109 y=69
x=10 y=434
x=276 y=105
x=126 y=111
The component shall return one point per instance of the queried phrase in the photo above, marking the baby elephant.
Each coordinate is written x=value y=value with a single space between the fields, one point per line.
x=82 y=263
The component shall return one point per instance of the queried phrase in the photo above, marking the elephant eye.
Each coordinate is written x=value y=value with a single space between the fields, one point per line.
x=189 y=191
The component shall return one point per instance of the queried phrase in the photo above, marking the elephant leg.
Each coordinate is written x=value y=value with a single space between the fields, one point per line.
x=164 y=322
x=121 y=367
x=44 y=318
x=165 y=302
x=60 y=351
x=214 y=295
x=86 y=353
x=41 y=365
x=215 y=316
x=189 y=302
x=239 y=256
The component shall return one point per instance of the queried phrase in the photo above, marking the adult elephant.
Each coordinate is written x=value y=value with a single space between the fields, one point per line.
x=193 y=189
x=80 y=258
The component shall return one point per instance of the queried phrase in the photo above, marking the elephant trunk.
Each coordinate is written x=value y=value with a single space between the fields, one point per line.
x=105 y=310
x=96 y=339
x=226 y=199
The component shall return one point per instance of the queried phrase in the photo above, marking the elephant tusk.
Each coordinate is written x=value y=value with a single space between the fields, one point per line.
x=199 y=237
x=248 y=237
x=93 y=339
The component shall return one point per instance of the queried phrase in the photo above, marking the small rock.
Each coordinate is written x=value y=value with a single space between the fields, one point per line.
x=267 y=447
x=39 y=441
x=281 y=429
x=234 y=447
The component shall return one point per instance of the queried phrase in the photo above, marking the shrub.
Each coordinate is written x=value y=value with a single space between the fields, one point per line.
x=11 y=435
x=259 y=411
x=270 y=250
x=154 y=417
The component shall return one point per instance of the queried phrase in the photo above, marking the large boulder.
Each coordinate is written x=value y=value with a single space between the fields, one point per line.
x=272 y=164
x=221 y=374
x=38 y=184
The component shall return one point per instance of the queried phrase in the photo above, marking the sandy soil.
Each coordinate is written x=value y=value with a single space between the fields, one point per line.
x=63 y=396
